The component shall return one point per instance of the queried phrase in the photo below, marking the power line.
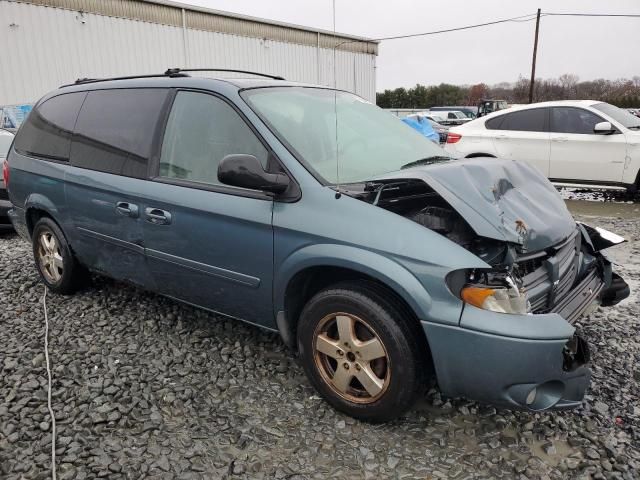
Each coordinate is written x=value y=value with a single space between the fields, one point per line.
x=628 y=15
x=521 y=18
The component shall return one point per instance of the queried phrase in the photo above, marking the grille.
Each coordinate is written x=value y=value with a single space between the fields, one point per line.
x=547 y=277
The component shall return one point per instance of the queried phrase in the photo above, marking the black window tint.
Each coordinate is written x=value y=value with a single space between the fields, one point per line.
x=201 y=131
x=115 y=130
x=494 y=123
x=48 y=128
x=573 y=120
x=525 y=121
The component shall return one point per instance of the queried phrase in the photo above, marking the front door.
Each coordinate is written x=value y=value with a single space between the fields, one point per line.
x=579 y=154
x=206 y=243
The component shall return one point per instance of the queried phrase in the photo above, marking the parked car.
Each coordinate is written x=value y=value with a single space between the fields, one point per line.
x=451 y=118
x=383 y=267
x=573 y=143
x=6 y=138
x=441 y=130
x=422 y=125
x=470 y=112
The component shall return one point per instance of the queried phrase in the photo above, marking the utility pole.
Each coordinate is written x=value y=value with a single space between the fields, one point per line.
x=533 y=61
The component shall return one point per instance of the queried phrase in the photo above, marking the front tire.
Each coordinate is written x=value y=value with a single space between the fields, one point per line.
x=360 y=352
x=58 y=268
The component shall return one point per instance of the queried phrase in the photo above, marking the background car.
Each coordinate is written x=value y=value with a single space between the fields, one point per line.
x=450 y=117
x=6 y=138
x=470 y=112
x=573 y=143
x=441 y=130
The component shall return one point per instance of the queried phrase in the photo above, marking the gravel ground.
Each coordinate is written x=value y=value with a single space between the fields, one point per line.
x=144 y=386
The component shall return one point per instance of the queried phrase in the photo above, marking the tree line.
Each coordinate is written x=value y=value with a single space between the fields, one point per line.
x=622 y=92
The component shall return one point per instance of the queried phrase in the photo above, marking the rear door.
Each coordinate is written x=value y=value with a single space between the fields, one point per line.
x=522 y=135
x=206 y=243
x=577 y=153
x=113 y=142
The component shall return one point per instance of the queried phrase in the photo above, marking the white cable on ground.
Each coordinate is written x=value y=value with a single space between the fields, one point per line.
x=46 y=357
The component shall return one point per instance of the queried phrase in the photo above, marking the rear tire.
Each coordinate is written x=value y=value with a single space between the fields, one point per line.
x=360 y=353
x=56 y=264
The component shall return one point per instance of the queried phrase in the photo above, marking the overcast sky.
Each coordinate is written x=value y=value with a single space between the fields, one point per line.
x=588 y=47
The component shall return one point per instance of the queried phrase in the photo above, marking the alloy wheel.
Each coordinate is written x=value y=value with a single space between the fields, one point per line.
x=50 y=257
x=351 y=358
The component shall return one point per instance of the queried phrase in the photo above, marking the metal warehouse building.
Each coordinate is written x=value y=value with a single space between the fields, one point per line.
x=46 y=43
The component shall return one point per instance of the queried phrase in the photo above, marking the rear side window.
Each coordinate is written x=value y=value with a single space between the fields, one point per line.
x=115 y=129
x=573 y=120
x=203 y=129
x=532 y=120
x=48 y=129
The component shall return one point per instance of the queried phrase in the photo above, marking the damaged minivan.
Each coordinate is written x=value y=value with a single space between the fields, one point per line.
x=308 y=211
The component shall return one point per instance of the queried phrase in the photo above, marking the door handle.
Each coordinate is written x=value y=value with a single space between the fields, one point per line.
x=559 y=139
x=157 y=216
x=127 y=209
x=500 y=137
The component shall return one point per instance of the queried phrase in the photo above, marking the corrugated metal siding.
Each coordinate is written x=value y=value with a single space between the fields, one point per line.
x=49 y=47
x=212 y=22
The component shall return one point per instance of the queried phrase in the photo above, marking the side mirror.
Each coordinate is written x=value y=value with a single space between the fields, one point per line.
x=603 y=128
x=246 y=171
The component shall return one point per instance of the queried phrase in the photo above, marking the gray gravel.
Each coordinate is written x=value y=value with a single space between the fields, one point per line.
x=144 y=386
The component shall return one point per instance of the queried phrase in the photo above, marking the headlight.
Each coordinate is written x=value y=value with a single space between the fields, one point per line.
x=496 y=299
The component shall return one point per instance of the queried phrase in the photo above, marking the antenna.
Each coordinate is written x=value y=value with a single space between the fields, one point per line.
x=335 y=103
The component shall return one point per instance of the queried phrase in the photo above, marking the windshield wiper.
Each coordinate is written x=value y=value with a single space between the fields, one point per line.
x=426 y=161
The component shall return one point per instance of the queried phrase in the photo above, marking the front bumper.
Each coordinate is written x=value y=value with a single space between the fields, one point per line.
x=533 y=361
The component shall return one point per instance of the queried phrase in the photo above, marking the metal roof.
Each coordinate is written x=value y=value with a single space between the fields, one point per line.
x=167 y=12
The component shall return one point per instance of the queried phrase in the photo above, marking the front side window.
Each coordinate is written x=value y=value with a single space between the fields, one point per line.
x=627 y=119
x=48 y=129
x=573 y=120
x=115 y=129
x=532 y=120
x=201 y=131
x=368 y=141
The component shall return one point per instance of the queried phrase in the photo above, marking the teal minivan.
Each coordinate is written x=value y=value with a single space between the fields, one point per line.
x=306 y=210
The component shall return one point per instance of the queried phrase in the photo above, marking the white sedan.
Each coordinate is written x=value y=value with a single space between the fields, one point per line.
x=573 y=143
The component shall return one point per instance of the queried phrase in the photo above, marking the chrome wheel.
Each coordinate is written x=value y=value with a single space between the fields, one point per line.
x=351 y=358
x=49 y=257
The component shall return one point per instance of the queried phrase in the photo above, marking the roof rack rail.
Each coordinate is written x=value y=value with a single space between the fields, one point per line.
x=82 y=81
x=173 y=71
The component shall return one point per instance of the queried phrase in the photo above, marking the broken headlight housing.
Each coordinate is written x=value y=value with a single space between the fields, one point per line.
x=494 y=291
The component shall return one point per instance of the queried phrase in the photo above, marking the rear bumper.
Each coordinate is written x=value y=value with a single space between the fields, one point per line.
x=5 y=222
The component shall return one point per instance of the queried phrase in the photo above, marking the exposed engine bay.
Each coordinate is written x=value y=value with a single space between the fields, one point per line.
x=520 y=281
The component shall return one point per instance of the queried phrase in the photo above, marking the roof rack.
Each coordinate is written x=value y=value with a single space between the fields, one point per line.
x=171 y=72
x=174 y=71
x=82 y=81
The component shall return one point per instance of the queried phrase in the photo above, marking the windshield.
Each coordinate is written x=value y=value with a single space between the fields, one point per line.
x=370 y=140
x=621 y=116
x=5 y=143
x=459 y=115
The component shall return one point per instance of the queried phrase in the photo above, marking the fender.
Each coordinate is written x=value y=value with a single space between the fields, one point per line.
x=40 y=202
x=392 y=274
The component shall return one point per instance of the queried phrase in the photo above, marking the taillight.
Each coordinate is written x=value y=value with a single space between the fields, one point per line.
x=5 y=173
x=453 y=137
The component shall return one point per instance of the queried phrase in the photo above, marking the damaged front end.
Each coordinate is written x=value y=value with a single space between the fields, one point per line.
x=544 y=271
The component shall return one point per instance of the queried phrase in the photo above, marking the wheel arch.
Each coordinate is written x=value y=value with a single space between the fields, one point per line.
x=313 y=268
x=37 y=206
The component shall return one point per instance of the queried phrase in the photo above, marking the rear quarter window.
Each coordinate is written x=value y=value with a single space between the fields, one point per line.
x=115 y=130
x=48 y=129
x=531 y=120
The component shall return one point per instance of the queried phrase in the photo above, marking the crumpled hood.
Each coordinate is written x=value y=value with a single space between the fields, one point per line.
x=500 y=199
